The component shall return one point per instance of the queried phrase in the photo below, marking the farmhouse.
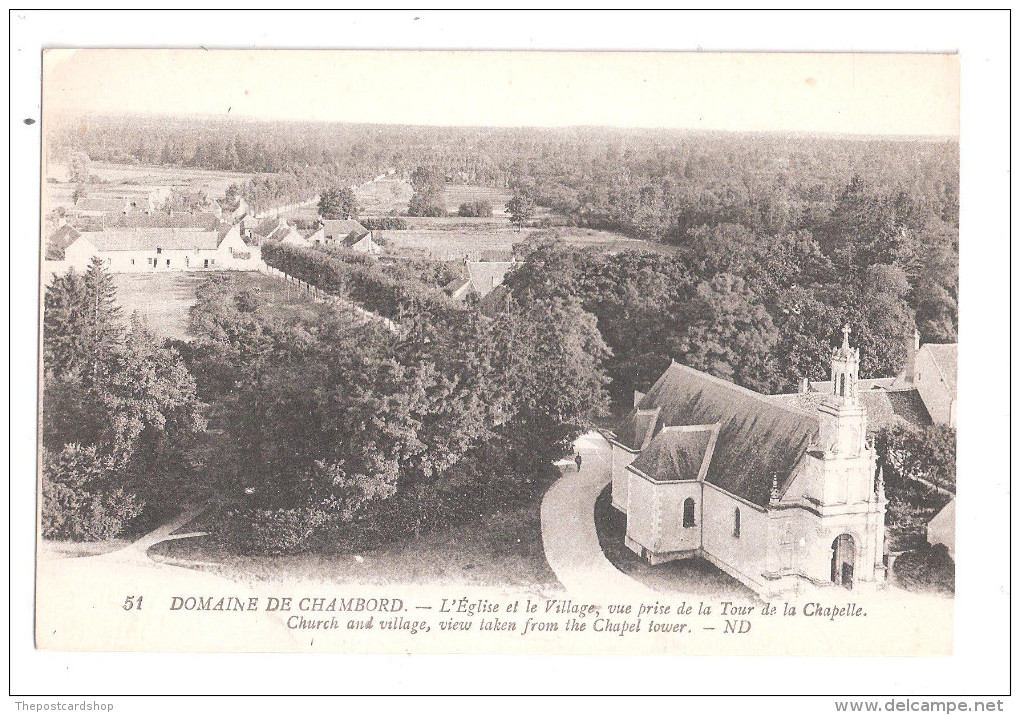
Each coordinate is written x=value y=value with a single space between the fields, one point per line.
x=931 y=371
x=338 y=230
x=164 y=249
x=779 y=497
x=237 y=213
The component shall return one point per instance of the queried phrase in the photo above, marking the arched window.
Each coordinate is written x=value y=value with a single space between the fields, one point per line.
x=842 y=385
x=688 y=513
x=736 y=523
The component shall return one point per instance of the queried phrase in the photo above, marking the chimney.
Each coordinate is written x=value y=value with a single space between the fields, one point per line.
x=804 y=386
x=913 y=343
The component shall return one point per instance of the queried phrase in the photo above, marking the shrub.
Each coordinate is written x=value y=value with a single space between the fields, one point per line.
x=385 y=223
x=929 y=568
x=472 y=209
x=269 y=532
x=80 y=500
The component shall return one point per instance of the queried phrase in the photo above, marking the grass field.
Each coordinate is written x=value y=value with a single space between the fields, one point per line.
x=164 y=300
x=457 y=194
x=131 y=179
x=384 y=197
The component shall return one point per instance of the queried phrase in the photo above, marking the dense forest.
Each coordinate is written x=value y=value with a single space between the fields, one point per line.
x=655 y=184
x=873 y=211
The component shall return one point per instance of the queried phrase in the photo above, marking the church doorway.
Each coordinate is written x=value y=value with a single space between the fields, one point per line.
x=843 y=549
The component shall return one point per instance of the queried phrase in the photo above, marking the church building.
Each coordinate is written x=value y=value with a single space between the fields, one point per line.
x=779 y=497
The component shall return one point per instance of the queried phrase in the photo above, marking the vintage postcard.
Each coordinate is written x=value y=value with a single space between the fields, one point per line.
x=649 y=353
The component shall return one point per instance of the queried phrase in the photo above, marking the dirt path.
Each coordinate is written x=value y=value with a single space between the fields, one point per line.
x=82 y=603
x=568 y=528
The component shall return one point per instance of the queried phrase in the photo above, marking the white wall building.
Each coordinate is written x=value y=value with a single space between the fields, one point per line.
x=163 y=249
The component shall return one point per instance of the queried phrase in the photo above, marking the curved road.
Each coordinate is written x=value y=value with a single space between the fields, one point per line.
x=568 y=527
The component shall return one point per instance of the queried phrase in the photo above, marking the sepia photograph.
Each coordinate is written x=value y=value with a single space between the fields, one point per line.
x=365 y=351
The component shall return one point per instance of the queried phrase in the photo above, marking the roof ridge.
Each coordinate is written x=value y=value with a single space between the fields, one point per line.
x=690 y=428
x=765 y=399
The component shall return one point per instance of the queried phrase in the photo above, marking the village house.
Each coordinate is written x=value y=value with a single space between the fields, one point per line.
x=779 y=497
x=273 y=228
x=347 y=233
x=162 y=249
x=479 y=279
x=58 y=241
x=293 y=237
x=164 y=219
x=931 y=371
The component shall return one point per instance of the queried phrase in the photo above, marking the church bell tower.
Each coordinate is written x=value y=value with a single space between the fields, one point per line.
x=844 y=432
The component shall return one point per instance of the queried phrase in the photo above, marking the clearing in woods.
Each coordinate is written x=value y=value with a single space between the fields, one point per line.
x=452 y=239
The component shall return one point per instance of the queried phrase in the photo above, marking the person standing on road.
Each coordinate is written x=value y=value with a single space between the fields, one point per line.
x=577 y=461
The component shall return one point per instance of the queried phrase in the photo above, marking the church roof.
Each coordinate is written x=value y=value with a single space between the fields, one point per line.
x=758 y=436
x=863 y=384
x=677 y=453
x=637 y=430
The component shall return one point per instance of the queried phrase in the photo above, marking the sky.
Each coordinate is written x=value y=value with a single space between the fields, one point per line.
x=845 y=93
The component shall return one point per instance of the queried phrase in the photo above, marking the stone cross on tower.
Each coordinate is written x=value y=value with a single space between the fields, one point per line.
x=845 y=367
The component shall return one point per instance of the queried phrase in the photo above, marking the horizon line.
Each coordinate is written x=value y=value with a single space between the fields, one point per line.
x=370 y=123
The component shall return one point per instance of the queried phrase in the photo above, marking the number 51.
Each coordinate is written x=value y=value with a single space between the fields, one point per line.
x=130 y=603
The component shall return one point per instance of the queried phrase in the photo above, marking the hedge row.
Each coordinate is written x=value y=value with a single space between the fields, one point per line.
x=358 y=276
